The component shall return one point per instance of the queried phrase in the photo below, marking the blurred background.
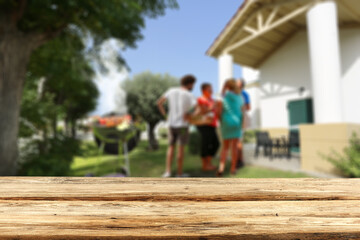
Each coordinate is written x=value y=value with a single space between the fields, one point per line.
x=79 y=81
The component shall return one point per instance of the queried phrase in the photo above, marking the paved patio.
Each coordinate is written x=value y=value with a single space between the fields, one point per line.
x=285 y=164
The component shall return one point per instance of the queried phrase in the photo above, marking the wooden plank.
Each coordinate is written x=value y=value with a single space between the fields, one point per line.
x=279 y=22
x=261 y=43
x=251 y=50
x=273 y=37
x=245 y=55
x=178 y=220
x=350 y=10
x=138 y=208
x=177 y=189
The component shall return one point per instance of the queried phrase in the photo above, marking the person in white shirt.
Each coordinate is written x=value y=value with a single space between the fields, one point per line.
x=180 y=102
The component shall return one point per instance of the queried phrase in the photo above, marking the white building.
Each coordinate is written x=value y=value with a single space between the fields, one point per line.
x=301 y=61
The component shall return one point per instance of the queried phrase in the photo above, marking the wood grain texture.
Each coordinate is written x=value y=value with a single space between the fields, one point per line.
x=137 y=208
x=195 y=189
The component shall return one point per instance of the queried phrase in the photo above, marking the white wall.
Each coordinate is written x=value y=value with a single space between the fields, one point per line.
x=288 y=69
x=251 y=76
x=350 y=53
x=253 y=119
x=282 y=76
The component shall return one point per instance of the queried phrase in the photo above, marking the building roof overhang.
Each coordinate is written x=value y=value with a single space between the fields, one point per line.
x=260 y=27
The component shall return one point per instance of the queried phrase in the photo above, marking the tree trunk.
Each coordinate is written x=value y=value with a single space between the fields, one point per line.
x=54 y=126
x=67 y=126
x=153 y=143
x=15 y=52
x=73 y=129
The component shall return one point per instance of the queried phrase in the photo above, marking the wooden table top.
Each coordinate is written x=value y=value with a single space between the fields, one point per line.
x=178 y=208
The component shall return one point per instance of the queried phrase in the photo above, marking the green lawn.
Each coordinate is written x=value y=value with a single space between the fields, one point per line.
x=151 y=164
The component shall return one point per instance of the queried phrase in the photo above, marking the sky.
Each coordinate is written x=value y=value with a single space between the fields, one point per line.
x=176 y=44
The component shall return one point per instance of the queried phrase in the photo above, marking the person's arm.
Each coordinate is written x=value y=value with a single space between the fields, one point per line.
x=218 y=108
x=243 y=109
x=247 y=106
x=160 y=104
x=194 y=109
x=204 y=109
x=224 y=89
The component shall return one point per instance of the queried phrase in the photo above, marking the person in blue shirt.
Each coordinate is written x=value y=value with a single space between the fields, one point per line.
x=246 y=100
x=244 y=94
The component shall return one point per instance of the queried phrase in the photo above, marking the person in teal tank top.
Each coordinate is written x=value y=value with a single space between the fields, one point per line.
x=231 y=115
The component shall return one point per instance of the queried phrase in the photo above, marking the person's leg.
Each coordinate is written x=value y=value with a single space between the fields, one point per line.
x=240 y=162
x=180 y=159
x=183 y=139
x=234 y=155
x=169 y=158
x=223 y=155
x=213 y=146
x=170 y=151
x=203 y=146
x=209 y=165
x=207 y=142
x=216 y=142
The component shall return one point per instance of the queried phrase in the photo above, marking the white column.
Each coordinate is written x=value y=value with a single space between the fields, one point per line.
x=225 y=69
x=325 y=61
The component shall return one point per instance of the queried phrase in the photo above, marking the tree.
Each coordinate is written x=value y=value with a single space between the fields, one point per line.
x=142 y=92
x=25 y=25
x=55 y=89
x=37 y=111
x=70 y=84
x=81 y=101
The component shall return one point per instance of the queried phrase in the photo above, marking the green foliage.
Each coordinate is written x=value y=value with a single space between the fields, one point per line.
x=120 y=19
x=194 y=143
x=101 y=17
x=36 y=113
x=62 y=61
x=142 y=92
x=140 y=125
x=59 y=86
x=68 y=74
x=163 y=132
x=250 y=136
x=68 y=91
x=55 y=160
x=348 y=162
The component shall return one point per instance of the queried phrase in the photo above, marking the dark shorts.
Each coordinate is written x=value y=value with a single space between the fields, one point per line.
x=209 y=141
x=180 y=135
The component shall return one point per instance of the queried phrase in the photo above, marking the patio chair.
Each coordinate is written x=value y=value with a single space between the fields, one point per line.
x=293 y=142
x=263 y=140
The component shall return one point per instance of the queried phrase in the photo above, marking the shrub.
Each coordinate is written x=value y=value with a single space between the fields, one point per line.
x=348 y=162
x=84 y=127
x=54 y=158
x=249 y=136
x=163 y=133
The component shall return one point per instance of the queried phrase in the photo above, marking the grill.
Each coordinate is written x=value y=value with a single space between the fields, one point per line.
x=116 y=141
